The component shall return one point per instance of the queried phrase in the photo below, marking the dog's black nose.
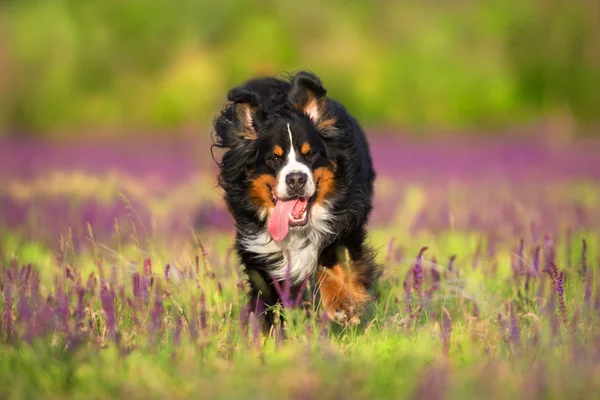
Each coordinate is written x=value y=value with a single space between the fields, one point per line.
x=296 y=181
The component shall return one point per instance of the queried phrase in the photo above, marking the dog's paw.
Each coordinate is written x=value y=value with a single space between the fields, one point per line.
x=341 y=297
x=343 y=315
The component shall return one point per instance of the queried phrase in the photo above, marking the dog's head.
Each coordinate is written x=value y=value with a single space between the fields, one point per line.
x=276 y=154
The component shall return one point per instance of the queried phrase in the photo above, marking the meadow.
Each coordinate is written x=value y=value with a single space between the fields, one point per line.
x=117 y=278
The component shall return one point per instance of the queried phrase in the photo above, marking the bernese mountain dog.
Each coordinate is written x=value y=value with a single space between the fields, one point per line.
x=298 y=181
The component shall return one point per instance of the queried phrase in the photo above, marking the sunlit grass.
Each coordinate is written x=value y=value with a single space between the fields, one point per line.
x=137 y=298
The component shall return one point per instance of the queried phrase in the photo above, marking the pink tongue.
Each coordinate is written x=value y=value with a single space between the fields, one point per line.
x=279 y=222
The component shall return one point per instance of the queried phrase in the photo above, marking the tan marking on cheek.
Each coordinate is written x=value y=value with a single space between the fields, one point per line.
x=325 y=183
x=260 y=194
x=278 y=151
x=305 y=149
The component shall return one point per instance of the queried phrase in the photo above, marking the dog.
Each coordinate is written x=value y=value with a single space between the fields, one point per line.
x=298 y=178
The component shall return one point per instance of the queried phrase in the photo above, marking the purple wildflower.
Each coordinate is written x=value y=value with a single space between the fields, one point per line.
x=137 y=285
x=147 y=267
x=177 y=332
x=418 y=273
x=536 y=261
x=548 y=253
x=193 y=321
x=557 y=281
x=285 y=292
x=435 y=282
x=62 y=308
x=79 y=310
x=25 y=274
x=107 y=297
x=23 y=307
x=203 y=252
x=157 y=312
x=515 y=333
x=587 y=295
x=203 y=323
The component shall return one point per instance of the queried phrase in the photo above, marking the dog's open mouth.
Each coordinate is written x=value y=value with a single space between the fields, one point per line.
x=292 y=212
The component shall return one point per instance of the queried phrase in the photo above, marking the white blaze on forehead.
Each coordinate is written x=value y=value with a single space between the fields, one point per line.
x=293 y=165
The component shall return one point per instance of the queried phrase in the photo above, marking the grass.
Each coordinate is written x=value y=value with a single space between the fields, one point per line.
x=503 y=303
x=185 y=339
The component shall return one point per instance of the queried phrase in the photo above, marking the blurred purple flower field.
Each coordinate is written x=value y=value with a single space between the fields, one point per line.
x=489 y=285
x=170 y=187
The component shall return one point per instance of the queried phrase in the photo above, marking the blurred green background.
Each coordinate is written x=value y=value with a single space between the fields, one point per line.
x=79 y=68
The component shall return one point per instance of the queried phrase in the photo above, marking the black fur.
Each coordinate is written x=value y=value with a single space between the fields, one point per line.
x=342 y=145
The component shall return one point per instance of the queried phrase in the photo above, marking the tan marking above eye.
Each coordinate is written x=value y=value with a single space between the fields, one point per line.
x=278 y=151
x=305 y=148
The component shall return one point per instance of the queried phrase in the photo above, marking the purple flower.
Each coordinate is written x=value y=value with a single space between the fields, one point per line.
x=536 y=261
x=193 y=320
x=548 y=253
x=515 y=333
x=435 y=282
x=157 y=312
x=284 y=288
x=418 y=273
x=557 y=281
x=203 y=313
x=107 y=297
x=79 y=311
x=62 y=309
x=147 y=267
x=177 y=332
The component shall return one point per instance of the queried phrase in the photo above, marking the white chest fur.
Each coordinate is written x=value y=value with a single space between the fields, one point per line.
x=299 y=251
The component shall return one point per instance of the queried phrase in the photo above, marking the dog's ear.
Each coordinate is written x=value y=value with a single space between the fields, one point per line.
x=309 y=96
x=246 y=111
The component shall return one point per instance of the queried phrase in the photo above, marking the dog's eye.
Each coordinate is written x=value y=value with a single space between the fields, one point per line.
x=275 y=158
x=309 y=156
